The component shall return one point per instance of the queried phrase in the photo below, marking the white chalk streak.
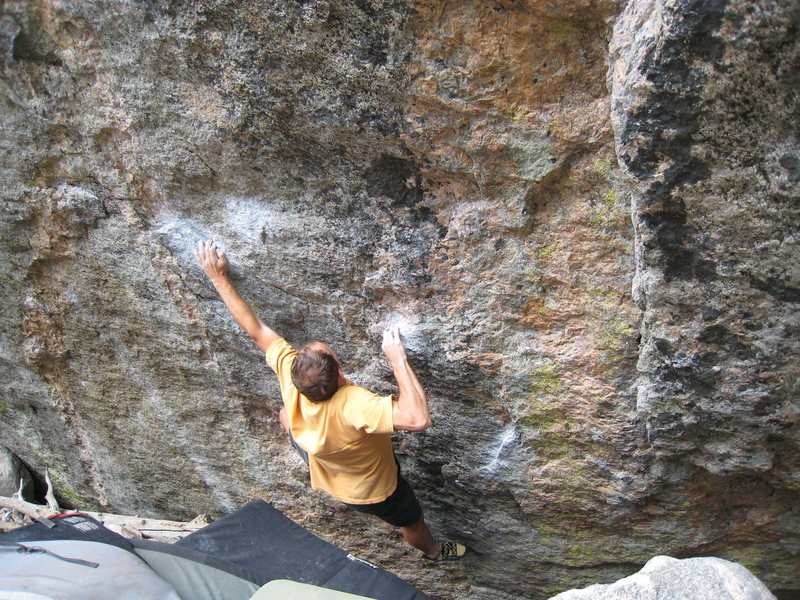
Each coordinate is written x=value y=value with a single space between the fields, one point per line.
x=506 y=437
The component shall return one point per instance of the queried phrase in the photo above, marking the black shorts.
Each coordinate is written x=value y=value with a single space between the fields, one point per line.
x=401 y=509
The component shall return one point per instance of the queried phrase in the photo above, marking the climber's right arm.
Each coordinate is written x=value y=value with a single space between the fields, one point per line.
x=215 y=265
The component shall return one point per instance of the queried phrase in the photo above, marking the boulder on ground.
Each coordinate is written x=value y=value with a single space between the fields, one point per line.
x=667 y=578
x=12 y=472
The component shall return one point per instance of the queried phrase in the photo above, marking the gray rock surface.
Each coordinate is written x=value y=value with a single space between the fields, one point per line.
x=603 y=388
x=705 y=109
x=666 y=578
x=12 y=474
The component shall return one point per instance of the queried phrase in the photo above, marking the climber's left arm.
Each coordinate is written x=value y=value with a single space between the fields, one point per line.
x=410 y=410
x=215 y=265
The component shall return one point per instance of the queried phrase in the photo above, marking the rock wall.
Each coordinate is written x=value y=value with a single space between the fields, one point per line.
x=604 y=388
x=705 y=111
x=14 y=477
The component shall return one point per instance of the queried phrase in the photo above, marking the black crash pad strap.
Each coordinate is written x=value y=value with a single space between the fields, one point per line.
x=22 y=548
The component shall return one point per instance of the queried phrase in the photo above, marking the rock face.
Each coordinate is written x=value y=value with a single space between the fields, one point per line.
x=704 y=108
x=14 y=476
x=666 y=578
x=608 y=345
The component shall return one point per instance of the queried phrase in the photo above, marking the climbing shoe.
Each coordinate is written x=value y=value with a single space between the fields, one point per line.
x=450 y=551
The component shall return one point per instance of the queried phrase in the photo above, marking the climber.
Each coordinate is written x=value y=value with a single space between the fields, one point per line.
x=342 y=431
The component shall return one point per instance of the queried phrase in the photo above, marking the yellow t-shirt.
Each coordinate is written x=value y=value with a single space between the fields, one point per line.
x=347 y=437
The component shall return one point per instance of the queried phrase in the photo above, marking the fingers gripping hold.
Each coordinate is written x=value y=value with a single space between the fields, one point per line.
x=211 y=259
x=392 y=344
x=391 y=336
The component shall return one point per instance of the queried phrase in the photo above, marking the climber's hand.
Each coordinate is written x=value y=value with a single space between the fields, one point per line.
x=212 y=260
x=392 y=345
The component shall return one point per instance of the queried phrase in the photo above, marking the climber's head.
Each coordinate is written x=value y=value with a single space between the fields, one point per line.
x=316 y=372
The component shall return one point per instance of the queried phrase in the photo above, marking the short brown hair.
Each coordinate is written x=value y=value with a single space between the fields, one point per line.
x=315 y=373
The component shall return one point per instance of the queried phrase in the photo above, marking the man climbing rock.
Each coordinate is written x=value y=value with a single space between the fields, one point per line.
x=341 y=430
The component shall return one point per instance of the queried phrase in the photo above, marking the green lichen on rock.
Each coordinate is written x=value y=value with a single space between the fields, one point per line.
x=602 y=166
x=545 y=417
x=605 y=213
x=545 y=380
x=614 y=337
x=65 y=491
x=580 y=555
x=515 y=112
x=552 y=437
x=546 y=253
